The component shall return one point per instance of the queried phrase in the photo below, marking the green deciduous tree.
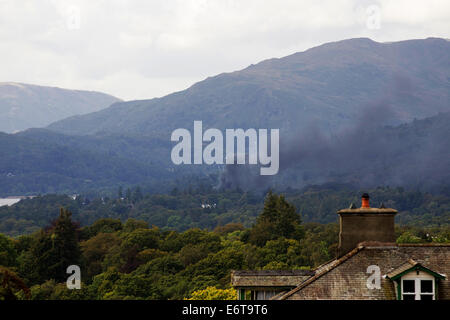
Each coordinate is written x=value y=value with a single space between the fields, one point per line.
x=213 y=293
x=94 y=251
x=8 y=252
x=11 y=285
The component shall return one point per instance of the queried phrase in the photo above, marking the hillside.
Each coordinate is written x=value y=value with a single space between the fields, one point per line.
x=415 y=155
x=28 y=165
x=355 y=111
x=328 y=86
x=24 y=106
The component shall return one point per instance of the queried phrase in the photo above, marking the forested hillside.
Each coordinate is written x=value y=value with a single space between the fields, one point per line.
x=415 y=156
x=207 y=208
x=29 y=165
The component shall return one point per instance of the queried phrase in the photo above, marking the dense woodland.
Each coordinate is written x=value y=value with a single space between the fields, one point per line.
x=206 y=207
x=135 y=259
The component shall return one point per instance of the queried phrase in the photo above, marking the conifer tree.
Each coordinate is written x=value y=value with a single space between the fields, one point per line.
x=56 y=249
x=128 y=195
x=278 y=219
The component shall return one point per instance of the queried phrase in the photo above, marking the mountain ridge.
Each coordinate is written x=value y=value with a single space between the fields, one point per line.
x=329 y=85
x=24 y=106
x=341 y=109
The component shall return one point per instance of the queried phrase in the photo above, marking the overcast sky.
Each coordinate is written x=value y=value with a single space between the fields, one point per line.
x=144 y=49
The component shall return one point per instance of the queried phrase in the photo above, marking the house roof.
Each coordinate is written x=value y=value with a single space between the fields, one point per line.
x=269 y=278
x=404 y=267
x=273 y=272
x=345 y=278
x=411 y=265
x=321 y=271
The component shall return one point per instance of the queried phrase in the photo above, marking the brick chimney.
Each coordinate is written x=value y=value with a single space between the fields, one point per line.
x=364 y=224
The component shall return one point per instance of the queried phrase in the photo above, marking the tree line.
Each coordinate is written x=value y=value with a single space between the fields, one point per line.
x=206 y=207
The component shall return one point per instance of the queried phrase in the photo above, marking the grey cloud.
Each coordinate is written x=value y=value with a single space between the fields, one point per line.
x=182 y=41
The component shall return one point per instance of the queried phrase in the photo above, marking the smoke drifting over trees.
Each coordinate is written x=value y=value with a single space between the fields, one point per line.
x=370 y=153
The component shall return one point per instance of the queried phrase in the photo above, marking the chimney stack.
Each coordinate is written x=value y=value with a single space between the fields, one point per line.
x=364 y=224
x=365 y=201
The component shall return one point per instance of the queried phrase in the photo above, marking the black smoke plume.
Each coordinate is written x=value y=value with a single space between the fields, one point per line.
x=369 y=153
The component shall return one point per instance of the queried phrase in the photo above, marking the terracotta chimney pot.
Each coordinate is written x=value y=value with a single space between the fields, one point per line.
x=365 y=201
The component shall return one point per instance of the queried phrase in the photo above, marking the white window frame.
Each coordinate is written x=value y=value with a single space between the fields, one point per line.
x=417 y=277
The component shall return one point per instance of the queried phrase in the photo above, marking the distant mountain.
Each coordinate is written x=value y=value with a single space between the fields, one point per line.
x=24 y=106
x=328 y=86
x=355 y=111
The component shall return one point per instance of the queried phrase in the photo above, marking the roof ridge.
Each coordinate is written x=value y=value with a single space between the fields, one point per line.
x=378 y=244
x=300 y=272
x=336 y=263
x=429 y=244
x=323 y=265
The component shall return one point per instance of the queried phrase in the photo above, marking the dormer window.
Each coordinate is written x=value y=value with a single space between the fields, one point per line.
x=415 y=282
x=418 y=289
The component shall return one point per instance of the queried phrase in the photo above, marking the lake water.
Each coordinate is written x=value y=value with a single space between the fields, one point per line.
x=8 y=201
